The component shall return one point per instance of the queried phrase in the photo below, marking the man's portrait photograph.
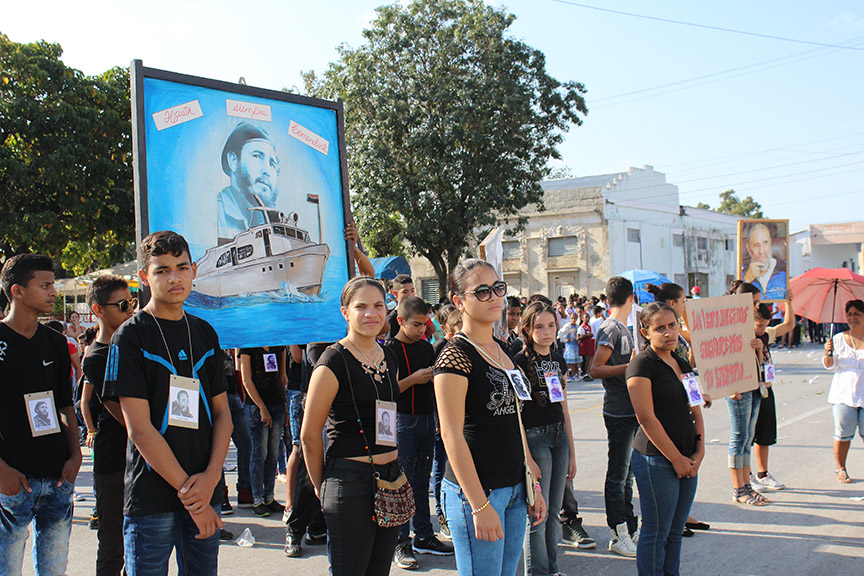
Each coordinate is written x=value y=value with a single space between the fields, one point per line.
x=763 y=254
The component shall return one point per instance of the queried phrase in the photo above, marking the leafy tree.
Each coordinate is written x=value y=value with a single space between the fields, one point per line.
x=731 y=204
x=450 y=124
x=65 y=159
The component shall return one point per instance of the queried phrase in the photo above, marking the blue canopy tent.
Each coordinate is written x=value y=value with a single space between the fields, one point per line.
x=390 y=266
x=640 y=278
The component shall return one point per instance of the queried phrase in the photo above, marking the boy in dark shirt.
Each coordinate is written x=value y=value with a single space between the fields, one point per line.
x=401 y=288
x=174 y=465
x=110 y=300
x=415 y=427
x=39 y=460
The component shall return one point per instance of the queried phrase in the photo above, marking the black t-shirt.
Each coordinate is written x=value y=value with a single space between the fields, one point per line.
x=230 y=379
x=671 y=405
x=343 y=431
x=420 y=398
x=30 y=365
x=393 y=320
x=491 y=426
x=614 y=334
x=295 y=372
x=439 y=346
x=139 y=366
x=541 y=411
x=267 y=368
x=109 y=447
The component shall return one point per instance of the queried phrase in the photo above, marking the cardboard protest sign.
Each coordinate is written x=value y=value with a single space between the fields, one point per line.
x=721 y=329
x=256 y=181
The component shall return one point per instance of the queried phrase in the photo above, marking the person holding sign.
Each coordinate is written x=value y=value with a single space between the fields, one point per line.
x=844 y=355
x=547 y=428
x=174 y=484
x=669 y=444
x=265 y=379
x=352 y=386
x=39 y=453
x=766 y=423
x=483 y=490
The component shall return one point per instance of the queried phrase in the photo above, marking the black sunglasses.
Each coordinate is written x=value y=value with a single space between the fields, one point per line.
x=484 y=292
x=124 y=305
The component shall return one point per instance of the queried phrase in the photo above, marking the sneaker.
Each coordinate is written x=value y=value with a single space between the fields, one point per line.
x=757 y=484
x=443 y=527
x=282 y=478
x=94 y=522
x=244 y=498
x=432 y=545
x=315 y=539
x=275 y=507
x=574 y=533
x=225 y=535
x=635 y=535
x=620 y=542
x=226 y=508
x=229 y=467
x=77 y=496
x=770 y=483
x=404 y=556
x=261 y=510
x=587 y=378
x=292 y=546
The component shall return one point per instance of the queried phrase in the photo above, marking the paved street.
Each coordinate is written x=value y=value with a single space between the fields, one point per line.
x=813 y=527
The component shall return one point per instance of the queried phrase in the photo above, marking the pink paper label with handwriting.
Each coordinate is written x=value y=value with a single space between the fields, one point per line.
x=176 y=115
x=308 y=137
x=248 y=110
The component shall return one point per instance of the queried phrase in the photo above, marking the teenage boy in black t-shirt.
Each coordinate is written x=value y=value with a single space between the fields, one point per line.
x=415 y=427
x=112 y=303
x=39 y=460
x=174 y=465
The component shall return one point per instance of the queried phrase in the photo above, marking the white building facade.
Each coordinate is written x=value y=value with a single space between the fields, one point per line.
x=838 y=245
x=598 y=226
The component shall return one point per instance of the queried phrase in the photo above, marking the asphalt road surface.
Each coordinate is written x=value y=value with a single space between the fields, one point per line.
x=814 y=527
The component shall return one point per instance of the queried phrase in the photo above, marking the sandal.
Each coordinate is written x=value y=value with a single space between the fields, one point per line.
x=756 y=495
x=741 y=496
x=697 y=525
x=842 y=476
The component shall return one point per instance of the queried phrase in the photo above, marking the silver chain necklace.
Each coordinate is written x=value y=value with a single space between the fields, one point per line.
x=167 y=349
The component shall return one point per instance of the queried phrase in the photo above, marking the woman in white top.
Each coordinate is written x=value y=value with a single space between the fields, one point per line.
x=847 y=387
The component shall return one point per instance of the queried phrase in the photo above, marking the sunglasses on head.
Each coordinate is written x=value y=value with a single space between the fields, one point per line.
x=124 y=305
x=484 y=292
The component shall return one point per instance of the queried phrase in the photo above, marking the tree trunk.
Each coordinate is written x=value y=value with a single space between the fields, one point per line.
x=440 y=268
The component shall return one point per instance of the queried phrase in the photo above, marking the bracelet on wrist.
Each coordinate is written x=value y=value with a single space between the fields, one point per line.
x=476 y=511
x=537 y=487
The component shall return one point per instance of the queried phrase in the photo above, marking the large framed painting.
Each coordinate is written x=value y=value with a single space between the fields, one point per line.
x=763 y=256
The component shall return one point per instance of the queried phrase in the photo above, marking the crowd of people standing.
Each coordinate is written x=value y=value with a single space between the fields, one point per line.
x=455 y=398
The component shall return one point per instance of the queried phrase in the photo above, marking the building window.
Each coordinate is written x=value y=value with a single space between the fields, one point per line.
x=678 y=240
x=634 y=235
x=429 y=290
x=702 y=243
x=730 y=244
x=511 y=250
x=566 y=246
x=681 y=280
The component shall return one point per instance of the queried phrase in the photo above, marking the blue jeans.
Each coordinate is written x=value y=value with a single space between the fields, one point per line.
x=242 y=440
x=265 y=451
x=479 y=557
x=551 y=452
x=51 y=508
x=618 y=490
x=294 y=401
x=149 y=541
x=415 y=435
x=742 y=415
x=439 y=464
x=665 y=501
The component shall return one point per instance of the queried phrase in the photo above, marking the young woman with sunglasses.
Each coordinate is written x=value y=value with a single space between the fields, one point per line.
x=548 y=431
x=349 y=380
x=483 y=490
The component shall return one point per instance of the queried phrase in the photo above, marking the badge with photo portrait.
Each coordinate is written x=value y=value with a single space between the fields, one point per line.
x=41 y=413
x=691 y=386
x=768 y=373
x=183 y=401
x=385 y=423
x=520 y=384
x=553 y=383
x=270 y=363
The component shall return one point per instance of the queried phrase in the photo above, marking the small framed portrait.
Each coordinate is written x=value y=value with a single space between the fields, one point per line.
x=691 y=385
x=763 y=256
x=271 y=363
x=520 y=384
x=385 y=423
x=42 y=413
x=183 y=400
x=553 y=383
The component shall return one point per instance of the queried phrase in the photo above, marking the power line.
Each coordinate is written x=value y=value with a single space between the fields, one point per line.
x=707 y=26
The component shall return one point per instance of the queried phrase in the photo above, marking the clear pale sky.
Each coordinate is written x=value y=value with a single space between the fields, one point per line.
x=776 y=120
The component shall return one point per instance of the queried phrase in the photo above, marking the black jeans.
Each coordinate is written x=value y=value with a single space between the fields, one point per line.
x=306 y=510
x=356 y=544
x=618 y=490
x=570 y=507
x=109 y=510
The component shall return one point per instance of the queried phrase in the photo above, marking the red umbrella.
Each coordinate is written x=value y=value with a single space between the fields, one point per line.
x=821 y=294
